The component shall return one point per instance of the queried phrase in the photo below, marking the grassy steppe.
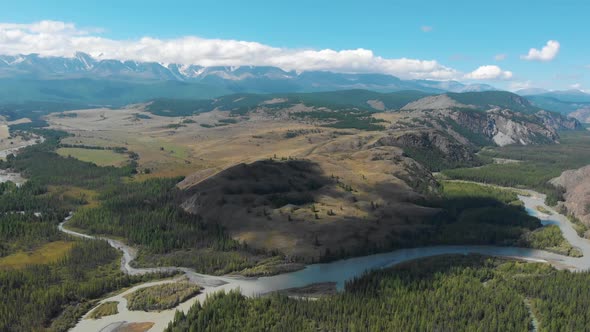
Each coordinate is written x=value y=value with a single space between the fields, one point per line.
x=98 y=157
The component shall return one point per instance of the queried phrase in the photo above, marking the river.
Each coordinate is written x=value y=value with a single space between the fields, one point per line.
x=338 y=271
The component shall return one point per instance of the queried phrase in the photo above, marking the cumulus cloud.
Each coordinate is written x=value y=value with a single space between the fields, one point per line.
x=426 y=28
x=500 y=57
x=547 y=53
x=54 y=38
x=489 y=72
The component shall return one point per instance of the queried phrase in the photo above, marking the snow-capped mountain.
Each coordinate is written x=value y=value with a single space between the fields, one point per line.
x=238 y=79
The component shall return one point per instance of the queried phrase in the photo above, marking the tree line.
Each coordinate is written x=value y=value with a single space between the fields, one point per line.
x=449 y=293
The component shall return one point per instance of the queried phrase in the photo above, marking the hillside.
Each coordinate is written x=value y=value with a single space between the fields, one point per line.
x=555 y=104
x=499 y=117
x=495 y=99
x=582 y=114
x=97 y=91
x=364 y=100
x=311 y=182
x=576 y=184
x=206 y=81
x=316 y=208
x=440 y=131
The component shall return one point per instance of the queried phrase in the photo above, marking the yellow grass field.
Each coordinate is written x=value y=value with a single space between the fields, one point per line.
x=99 y=157
x=48 y=253
x=4 y=132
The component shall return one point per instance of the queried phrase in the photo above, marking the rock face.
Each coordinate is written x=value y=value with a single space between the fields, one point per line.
x=577 y=196
x=505 y=127
x=582 y=114
x=489 y=124
x=558 y=121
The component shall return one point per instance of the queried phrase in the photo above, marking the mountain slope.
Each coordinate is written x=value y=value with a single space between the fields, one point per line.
x=495 y=99
x=101 y=92
x=439 y=131
x=362 y=100
x=244 y=79
x=496 y=116
x=576 y=184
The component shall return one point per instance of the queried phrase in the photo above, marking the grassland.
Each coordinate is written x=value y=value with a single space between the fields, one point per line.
x=104 y=309
x=373 y=200
x=48 y=253
x=98 y=157
x=162 y=297
x=4 y=131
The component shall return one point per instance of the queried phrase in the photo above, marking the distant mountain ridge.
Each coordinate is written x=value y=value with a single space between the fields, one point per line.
x=83 y=79
x=254 y=79
x=573 y=102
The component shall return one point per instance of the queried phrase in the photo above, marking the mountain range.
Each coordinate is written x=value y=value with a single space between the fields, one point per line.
x=572 y=102
x=236 y=79
x=86 y=80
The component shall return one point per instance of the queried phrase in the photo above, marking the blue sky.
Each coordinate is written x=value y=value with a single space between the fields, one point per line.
x=459 y=35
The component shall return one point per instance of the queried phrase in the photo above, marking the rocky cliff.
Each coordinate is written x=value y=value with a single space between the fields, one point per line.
x=489 y=124
x=582 y=114
x=577 y=195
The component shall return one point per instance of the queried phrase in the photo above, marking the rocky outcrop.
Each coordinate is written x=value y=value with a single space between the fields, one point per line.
x=511 y=128
x=452 y=150
x=582 y=114
x=577 y=196
x=558 y=121
x=504 y=127
x=487 y=124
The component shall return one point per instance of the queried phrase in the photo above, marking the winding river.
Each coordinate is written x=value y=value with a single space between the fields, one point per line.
x=338 y=271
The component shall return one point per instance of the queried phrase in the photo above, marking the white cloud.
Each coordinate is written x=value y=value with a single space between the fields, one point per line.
x=426 y=28
x=53 y=38
x=489 y=72
x=547 y=53
x=500 y=57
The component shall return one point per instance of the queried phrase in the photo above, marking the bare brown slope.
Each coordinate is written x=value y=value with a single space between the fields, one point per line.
x=577 y=196
x=312 y=208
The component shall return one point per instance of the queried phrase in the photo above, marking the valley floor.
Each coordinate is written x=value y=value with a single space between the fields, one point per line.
x=339 y=271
